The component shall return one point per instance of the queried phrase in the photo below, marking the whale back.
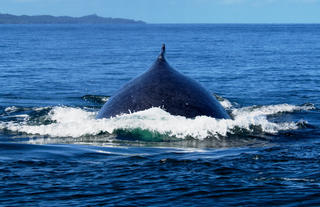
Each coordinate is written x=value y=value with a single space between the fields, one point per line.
x=164 y=87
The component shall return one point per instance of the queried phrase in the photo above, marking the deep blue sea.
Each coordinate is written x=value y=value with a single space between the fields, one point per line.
x=55 y=78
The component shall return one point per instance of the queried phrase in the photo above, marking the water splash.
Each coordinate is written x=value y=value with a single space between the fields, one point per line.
x=153 y=123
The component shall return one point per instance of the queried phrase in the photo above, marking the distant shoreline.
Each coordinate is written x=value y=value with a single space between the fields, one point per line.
x=48 y=19
x=95 y=19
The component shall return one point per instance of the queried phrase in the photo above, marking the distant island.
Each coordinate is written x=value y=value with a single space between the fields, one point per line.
x=48 y=19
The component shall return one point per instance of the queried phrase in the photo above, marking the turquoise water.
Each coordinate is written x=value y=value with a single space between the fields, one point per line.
x=55 y=78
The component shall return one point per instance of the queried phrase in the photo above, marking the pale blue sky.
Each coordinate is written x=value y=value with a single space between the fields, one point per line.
x=176 y=11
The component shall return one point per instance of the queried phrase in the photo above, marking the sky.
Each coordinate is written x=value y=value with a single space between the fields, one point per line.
x=175 y=11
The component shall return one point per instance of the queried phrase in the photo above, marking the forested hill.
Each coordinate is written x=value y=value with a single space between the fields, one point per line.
x=48 y=19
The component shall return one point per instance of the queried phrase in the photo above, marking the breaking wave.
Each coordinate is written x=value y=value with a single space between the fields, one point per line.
x=151 y=124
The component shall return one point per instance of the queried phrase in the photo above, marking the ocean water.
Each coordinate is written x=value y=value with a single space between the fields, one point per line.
x=55 y=78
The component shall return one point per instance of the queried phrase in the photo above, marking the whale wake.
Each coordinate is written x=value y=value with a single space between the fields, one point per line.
x=64 y=121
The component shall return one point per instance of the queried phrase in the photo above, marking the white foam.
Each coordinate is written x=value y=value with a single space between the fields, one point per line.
x=25 y=116
x=226 y=104
x=76 y=122
x=269 y=110
x=10 y=109
x=40 y=108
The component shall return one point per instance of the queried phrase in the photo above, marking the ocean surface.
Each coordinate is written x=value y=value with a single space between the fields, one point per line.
x=55 y=78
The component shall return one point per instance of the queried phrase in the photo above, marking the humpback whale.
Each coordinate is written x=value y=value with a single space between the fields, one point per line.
x=164 y=87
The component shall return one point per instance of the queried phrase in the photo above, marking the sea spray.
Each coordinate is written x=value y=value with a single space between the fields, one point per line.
x=62 y=121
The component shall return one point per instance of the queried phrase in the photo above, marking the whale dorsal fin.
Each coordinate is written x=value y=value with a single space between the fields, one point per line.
x=162 y=53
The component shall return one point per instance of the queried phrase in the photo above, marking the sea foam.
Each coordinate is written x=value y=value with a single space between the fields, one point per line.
x=76 y=122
